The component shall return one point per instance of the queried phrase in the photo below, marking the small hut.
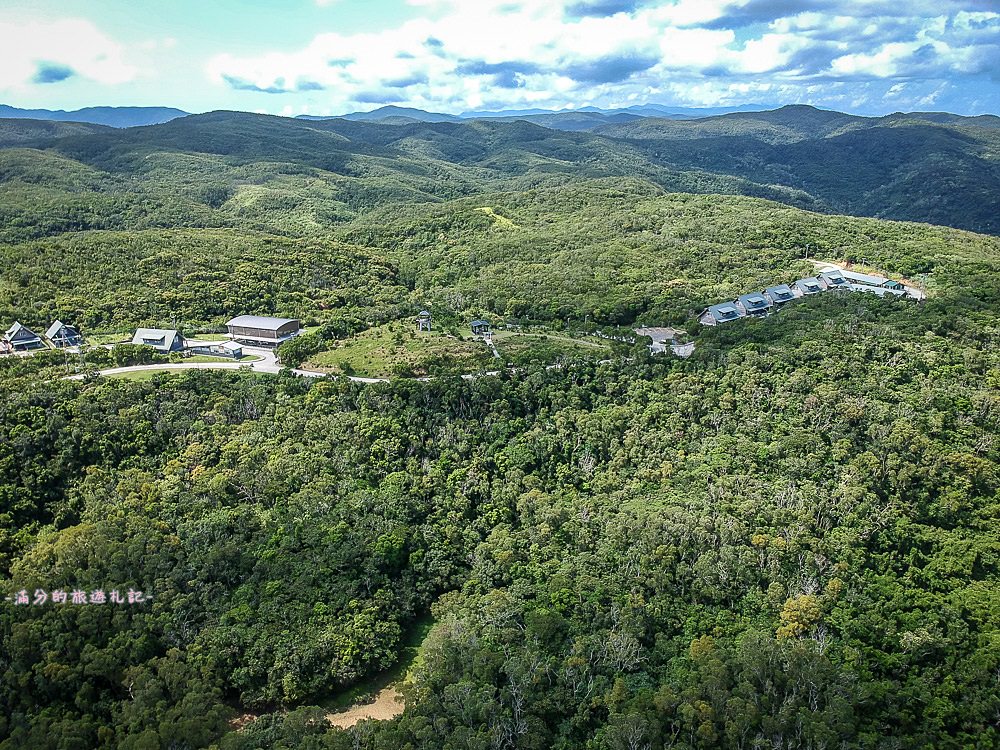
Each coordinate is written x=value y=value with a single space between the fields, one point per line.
x=423 y=321
x=481 y=328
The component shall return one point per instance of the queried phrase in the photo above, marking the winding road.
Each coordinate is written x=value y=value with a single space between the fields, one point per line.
x=267 y=363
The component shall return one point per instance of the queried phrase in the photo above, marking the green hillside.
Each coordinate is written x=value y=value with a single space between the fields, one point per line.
x=15 y=131
x=298 y=176
x=606 y=252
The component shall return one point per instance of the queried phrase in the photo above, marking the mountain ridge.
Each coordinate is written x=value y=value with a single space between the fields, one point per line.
x=903 y=168
x=116 y=117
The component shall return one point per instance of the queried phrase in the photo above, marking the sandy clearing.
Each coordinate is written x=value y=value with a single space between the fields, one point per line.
x=388 y=704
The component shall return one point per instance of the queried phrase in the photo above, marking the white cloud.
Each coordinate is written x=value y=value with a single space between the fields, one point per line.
x=51 y=51
x=496 y=53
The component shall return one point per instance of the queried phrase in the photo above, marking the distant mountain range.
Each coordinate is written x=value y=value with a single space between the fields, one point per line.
x=582 y=119
x=931 y=167
x=640 y=121
x=643 y=110
x=116 y=117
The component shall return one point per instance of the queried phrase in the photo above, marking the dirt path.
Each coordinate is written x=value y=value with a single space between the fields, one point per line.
x=388 y=704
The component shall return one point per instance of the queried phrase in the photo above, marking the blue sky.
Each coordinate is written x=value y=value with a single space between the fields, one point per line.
x=334 y=56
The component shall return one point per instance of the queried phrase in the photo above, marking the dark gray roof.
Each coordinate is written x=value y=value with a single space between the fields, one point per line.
x=780 y=293
x=808 y=284
x=57 y=327
x=480 y=323
x=18 y=332
x=835 y=278
x=725 y=311
x=260 y=321
x=754 y=301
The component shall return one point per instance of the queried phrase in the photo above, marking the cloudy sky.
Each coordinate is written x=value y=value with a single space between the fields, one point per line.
x=334 y=56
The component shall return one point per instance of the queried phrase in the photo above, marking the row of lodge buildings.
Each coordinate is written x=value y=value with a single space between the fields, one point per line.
x=20 y=338
x=760 y=304
x=248 y=330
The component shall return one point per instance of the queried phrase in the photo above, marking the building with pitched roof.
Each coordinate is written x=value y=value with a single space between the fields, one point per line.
x=61 y=335
x=834 y=279
x=21 y=339
x=721 y=313
x=779 y=294
x=162 y=340
x=754 y=303
x=808 y=285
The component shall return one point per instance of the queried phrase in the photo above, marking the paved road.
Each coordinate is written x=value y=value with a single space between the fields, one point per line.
x=267 y=363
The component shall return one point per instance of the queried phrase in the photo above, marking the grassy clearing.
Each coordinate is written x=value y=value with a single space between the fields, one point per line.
x=396 y=349
x=100 y=339
x=142 y=374
x=409 y=657
x=544 y=348
x=498 y=221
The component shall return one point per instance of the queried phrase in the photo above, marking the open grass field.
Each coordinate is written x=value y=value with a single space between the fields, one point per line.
x=142 y=375
x=101 y=339
x=544 y=348
x=396 y=349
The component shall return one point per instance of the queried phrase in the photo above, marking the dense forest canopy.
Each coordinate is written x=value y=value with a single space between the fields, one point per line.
x=787 y=540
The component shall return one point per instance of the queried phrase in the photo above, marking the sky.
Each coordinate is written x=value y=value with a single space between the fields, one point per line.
x=328 y=57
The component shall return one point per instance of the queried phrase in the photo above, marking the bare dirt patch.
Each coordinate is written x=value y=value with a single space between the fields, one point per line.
x=387 y=705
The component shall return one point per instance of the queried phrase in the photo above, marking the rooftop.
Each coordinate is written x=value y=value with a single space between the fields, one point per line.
x=725 y=311
x=19 y=331
x=865 y=278
x=754 y=300
x=56 y=327
x=834 y=277
x=260 y=321
x=810 y=283
x=153 y=334
x=780 y=292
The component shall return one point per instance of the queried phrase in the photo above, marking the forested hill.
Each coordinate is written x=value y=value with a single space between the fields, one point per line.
x=794 y=122
x=934 y=168
x=116 y=117
x=787 y=540
x=17 y=132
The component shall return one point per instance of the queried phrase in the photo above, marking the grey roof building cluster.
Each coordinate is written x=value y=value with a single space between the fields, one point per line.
x=252 y=330
x=760 y=304
x=20 y=338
